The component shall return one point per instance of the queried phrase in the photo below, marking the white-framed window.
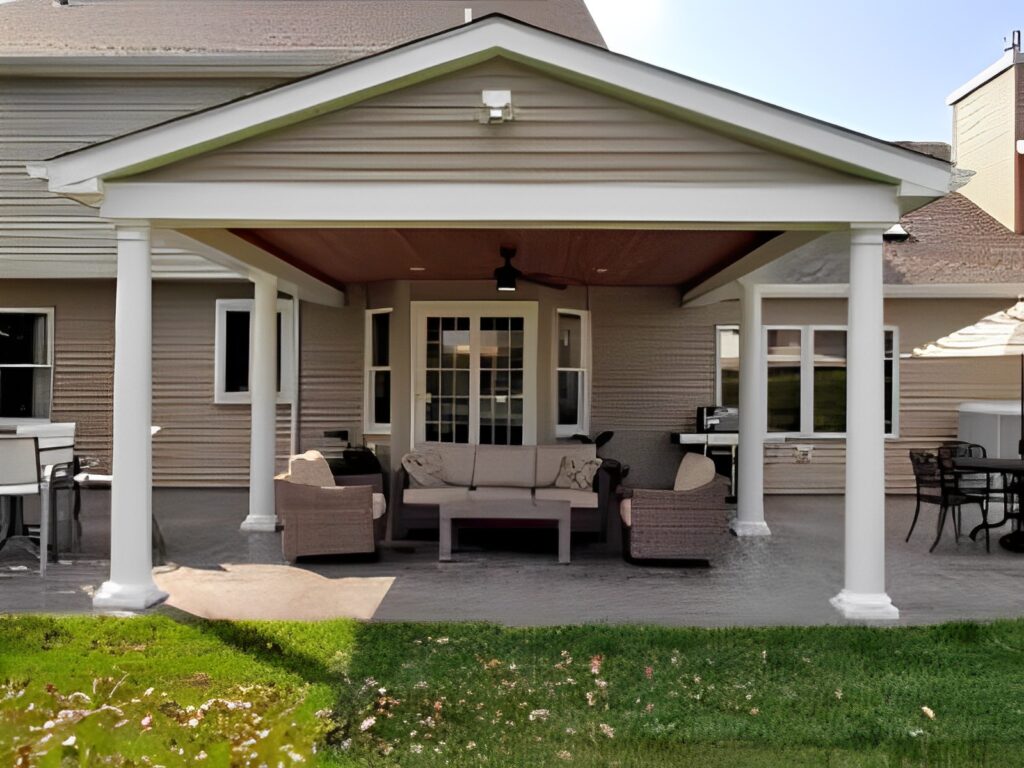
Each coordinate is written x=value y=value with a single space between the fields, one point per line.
x=26 y=363
x=378 y=372
x=572 y=373
x=232 y=361
x=806 y=380
x=727 y=365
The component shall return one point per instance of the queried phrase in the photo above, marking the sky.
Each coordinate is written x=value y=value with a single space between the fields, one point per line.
x=882 y=67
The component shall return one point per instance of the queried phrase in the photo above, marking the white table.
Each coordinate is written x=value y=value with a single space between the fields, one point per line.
x=505 y=509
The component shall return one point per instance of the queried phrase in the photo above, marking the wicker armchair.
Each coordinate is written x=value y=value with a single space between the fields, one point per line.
x=320 y=518
x=674 y=525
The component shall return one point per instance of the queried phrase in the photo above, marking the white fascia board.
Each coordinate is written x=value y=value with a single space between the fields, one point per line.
x=763 y=206
x=1007 y=60
x=230 y=251
x=775 y=248
x=1008 y=291
x=589 y=66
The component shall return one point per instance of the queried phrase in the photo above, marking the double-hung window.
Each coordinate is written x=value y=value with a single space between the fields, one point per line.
x=572 y=373
x=26 y=363
x=727 y=365
x=378 y=372
x=806 y=380
x=232 y=352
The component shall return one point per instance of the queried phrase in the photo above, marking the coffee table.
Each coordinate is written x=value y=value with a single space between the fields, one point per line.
x=505 y=509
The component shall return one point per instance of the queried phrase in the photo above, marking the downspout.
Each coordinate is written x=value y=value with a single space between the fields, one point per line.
x=293 y=444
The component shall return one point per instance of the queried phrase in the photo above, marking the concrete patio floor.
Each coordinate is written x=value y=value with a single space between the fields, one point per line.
x=785 y=579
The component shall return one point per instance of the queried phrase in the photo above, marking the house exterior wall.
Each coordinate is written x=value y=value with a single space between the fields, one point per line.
x=432 y=132
x=985 y=127
x=41 y=233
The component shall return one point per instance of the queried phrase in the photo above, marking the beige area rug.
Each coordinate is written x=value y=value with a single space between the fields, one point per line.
x=270 y=592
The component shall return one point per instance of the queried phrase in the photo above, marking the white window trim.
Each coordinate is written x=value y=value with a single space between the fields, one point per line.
x=49 y=313
x=718 y=357
x=582 y=427
x=807 y=381
x=420 y=310
x=371 y=427
x=286 y=308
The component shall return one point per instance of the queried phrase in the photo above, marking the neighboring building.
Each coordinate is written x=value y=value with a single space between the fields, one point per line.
x=77 y=74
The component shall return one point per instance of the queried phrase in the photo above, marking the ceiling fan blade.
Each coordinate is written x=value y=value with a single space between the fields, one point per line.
x=548 y=281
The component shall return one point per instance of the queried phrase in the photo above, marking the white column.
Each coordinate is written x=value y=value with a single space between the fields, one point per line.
x=263 y=395
x=753 y=419
x=131 y=585
x=863 y=595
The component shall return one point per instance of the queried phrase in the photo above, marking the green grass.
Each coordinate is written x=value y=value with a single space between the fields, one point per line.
x=468 y=695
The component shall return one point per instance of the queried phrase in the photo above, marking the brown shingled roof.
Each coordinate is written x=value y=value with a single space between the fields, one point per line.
x=354 y=28
x=954 y=241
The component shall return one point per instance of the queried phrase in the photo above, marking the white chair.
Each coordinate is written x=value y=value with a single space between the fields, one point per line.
x=20 y=476
x=56 y=460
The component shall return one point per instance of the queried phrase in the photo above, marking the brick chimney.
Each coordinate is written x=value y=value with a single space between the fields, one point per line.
x=988 y=136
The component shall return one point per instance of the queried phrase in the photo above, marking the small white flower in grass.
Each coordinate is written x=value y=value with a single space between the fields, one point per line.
x=571 y=731
x=916 y=732
x=442 y=641
x=146 y=722
x=416 y=749
x=564 y=755
x=591 y=698
x=201 y=755
x=755 y=711
x=193 y=722
x=764 y=656
x=420 y=685
x=607 y=730
x=264 y=733
x=839 y=693
x=928 y=712
x=346 y=745
x=69 y=741
x=471 y=745
x=540 y=714
x=367 y=724
x=602 y=684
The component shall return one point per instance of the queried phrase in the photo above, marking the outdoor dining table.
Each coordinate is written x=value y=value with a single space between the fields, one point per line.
x=1013 y=541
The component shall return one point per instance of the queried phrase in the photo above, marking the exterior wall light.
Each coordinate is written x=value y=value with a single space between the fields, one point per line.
x=497 y=107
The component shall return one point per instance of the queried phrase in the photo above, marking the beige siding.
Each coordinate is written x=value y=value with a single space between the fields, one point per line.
x=431 y=132
x=43 y=117
x=984 y=133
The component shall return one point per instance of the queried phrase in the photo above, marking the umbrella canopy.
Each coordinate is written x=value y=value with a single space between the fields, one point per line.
x=998 y=335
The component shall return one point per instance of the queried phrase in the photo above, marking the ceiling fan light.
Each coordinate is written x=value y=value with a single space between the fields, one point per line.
x=505 y=277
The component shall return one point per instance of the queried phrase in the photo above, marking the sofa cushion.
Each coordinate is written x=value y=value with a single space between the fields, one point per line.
x=434 y=496
x=310 y=468
x=695 y=471
x=456 y=461
x=499 y=493
x=549 y=459
x=512 y=466
x=425 y=469
x=577 y=474
x=626 y=512
x=380 y=506
x=576 y=499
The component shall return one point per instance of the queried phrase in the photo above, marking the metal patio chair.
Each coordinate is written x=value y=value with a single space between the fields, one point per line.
x=938 y=483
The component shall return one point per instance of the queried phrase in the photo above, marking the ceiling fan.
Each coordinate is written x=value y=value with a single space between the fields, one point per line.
x=506 y=276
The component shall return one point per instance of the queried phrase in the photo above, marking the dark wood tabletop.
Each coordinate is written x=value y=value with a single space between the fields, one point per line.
x=1007 y=466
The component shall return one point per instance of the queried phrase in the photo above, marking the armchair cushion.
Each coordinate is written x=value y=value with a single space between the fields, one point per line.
x=694 y=472
x=310 y=468
x=425 y=468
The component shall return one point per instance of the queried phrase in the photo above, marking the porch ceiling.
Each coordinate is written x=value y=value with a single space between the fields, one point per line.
x=621 y=257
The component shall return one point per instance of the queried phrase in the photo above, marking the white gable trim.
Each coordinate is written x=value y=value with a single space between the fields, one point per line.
x=592 y=67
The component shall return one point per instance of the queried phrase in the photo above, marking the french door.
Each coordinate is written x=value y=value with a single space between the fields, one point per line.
x=475 y=372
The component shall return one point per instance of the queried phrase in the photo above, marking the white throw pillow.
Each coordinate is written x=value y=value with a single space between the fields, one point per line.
x=577 y=474
x=425 y=468
x=694 y=472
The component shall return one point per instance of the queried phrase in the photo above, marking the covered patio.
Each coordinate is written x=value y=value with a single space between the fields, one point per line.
x=779 y=580
x=287 y=189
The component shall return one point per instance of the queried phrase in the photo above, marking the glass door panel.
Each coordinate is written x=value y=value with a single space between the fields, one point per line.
x=446 y=416
x=502 y=347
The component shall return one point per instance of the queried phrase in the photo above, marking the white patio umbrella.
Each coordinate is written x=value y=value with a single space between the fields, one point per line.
x=998 y=335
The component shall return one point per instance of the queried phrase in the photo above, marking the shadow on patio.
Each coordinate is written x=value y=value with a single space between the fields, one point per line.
x=785 y=579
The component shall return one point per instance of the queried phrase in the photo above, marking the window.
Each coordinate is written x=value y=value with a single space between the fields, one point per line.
x=727 y=366
x=806 y=380
x=26 y=363
x=378 y=372
x=571 y=380
x=232 y=359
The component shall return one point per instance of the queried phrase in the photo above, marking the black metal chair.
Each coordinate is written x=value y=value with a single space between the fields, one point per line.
x=975 y=483
x=938 y=483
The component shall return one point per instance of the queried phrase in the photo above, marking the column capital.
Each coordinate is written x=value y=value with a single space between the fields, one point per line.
x=868 y=233
x=131 y=229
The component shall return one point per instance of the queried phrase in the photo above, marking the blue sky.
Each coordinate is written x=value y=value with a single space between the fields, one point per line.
x=883 y=67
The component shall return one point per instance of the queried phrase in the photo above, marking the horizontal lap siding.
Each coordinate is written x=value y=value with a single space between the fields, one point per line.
x=44 y=117
x=431 y=132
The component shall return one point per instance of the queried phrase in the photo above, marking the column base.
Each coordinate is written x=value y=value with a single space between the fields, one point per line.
x=745 y=528
x=259 y=524
x=865 y=607
x=127 y=597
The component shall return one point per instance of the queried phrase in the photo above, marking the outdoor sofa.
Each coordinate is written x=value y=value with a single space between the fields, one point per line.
x=489 y=472
x=686 y=522
x=321 y=518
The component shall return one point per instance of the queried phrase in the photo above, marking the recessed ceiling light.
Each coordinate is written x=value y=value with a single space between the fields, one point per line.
x=601 y=270
x=417 y=269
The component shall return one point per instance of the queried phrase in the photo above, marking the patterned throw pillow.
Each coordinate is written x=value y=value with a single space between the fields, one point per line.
x=577 y=474
x=425 y=468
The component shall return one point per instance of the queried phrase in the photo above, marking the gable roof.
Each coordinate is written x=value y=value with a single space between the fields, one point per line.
x=741 y=117
x=352 y=28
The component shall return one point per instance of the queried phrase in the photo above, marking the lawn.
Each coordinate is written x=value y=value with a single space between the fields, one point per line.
x=162 y=690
